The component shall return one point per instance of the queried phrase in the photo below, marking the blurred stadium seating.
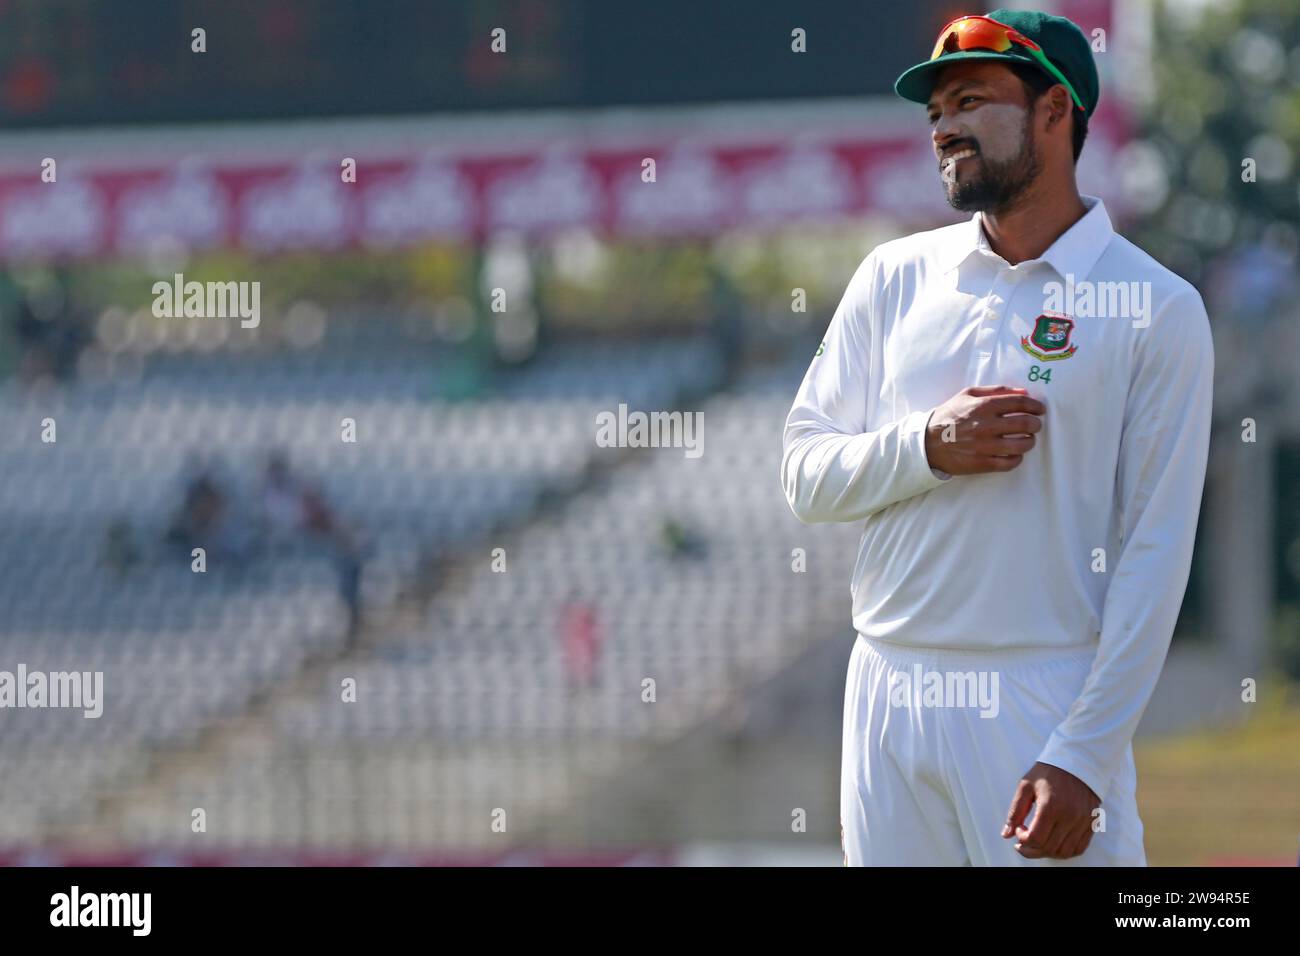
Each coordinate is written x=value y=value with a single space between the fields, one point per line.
x=470 y=710
x=180 y=650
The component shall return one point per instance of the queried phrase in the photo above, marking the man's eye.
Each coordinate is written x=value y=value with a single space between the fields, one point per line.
x=967 y=99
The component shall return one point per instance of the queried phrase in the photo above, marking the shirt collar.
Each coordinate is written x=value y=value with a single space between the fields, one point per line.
x=1074 y=252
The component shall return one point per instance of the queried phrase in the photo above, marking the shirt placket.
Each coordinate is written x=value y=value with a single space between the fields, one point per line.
x=993 y=311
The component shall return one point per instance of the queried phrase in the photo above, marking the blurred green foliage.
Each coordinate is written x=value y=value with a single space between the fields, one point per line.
x=1227 y=89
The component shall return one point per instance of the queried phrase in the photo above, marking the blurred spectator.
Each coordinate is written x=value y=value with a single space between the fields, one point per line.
x=679 y=541
x=205 y=518
x=283 y=511
x=49 y=328
x=292 y=507
x=726 y=316
x=581 y=639
x=121 y=551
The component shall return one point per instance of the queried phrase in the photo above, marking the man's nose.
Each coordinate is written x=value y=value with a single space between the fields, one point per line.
x=945 y=138
x=945 y=130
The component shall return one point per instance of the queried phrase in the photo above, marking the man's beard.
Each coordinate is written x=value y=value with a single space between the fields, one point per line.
x=995 y=185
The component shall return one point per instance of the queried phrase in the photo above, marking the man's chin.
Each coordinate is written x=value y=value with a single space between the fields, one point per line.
x=968 y=200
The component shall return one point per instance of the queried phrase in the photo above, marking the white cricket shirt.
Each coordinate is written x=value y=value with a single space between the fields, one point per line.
x=1089 y=540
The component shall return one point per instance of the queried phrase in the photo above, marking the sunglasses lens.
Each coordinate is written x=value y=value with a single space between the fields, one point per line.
x=973 y=34
x=981 y=34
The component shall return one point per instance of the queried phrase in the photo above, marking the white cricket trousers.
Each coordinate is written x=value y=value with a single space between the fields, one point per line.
x=926 y=780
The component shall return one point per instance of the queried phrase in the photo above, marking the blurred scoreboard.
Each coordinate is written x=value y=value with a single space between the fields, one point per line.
x=76 y=62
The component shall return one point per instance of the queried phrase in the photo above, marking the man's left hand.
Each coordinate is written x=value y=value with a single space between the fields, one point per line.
x=1062 y=824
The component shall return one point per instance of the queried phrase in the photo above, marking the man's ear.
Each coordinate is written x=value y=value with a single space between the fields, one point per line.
x=1059 y=105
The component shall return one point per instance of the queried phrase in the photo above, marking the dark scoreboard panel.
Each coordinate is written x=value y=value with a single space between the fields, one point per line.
x=130 y=61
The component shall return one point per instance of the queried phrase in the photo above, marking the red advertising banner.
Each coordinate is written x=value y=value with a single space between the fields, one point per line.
x=664 y=184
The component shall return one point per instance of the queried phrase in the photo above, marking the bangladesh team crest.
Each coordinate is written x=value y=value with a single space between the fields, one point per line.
x=1050 y=339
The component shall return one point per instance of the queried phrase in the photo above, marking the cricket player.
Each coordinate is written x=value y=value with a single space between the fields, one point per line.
x=1017 y=409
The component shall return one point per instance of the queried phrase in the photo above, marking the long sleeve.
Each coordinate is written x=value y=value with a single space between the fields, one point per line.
x=1163 y=450
x=831 y=468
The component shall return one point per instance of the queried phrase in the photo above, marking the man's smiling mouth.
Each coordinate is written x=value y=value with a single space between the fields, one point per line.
x=950 y=161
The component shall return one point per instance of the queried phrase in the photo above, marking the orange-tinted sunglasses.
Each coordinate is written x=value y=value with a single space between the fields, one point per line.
x=981 y=33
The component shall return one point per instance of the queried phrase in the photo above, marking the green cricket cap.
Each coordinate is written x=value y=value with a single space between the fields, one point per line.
x=1061 y=40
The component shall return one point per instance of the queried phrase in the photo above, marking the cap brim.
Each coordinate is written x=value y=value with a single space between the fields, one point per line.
x=917 y=83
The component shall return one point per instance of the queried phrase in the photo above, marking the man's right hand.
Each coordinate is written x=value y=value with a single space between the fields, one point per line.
x=987 y=427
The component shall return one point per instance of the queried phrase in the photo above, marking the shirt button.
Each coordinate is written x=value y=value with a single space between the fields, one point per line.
x=990 y=315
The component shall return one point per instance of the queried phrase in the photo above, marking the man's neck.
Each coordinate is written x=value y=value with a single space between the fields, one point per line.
x=1039 y=217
